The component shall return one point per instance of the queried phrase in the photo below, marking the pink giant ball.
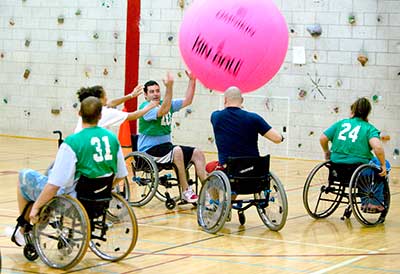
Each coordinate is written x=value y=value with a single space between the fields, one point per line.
x=239 y=43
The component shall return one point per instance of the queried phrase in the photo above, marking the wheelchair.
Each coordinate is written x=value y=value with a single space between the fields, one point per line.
x=67 y=226
x=147 y=179
x=357 y=186
x=243 y=175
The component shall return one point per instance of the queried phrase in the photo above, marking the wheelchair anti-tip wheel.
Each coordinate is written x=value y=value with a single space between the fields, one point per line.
x=142 y=180
x=30 y=252
x=320 y=197
x=61 y=236
x=214 y=203
x=273 y=212
x=368 y=192
x=114 y=237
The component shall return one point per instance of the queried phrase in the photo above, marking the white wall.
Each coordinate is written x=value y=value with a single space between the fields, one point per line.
x=342 y=78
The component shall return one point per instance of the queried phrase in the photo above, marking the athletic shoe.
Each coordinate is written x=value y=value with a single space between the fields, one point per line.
x=189 y=196
x=18 y=238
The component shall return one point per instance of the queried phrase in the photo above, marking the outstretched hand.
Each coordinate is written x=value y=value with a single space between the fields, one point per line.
x=168 y=80
x=190 y=75
x=136 y=91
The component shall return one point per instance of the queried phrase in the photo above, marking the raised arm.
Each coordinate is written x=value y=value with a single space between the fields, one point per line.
x=377 y=147
x=166 y=104
x=190 y=90
x=139 y=113
x=115 y=102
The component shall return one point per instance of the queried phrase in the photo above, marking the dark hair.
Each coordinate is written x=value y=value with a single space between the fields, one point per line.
x=361 y=108
x=91 y=110
x=96 y=91
x=148 y=84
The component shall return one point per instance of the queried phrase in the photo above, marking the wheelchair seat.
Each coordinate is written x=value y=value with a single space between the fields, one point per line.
x=94 y=194
x=248 y=175
x=341 y=172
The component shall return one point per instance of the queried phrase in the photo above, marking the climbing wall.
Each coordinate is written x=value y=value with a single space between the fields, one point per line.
x=48 y=50
x=339 y=50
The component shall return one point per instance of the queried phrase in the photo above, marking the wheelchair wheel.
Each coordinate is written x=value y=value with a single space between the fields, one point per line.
x=30 y=252
x=61 y=236
x=214 y=203
x=142 y=178
x=368 y=189
x=115 y=236
x=320 y=197
x=123 y=189
x=273 y=212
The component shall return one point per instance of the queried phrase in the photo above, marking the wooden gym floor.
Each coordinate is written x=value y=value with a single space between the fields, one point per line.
x=172 y=242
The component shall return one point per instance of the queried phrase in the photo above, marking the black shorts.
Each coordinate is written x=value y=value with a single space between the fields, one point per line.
x=163 y=153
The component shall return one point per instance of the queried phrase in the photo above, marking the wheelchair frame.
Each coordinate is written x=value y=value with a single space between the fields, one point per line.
x=146 y=181
x=64 y=232
x=270 y=201
x=325 y=190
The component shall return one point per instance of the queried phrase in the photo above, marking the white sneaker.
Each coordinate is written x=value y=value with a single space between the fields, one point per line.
x=189 y=196
x=18 y=238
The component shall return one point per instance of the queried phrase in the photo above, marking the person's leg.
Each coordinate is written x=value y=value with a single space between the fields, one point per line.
x=200 y=164
x=180 y=164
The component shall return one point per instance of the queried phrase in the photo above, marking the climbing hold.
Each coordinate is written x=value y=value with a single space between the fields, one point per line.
x=27 y=42
x=379 y=18
x=181 y=4
x=311 y=133
x=315 y=30
x=170 y=38
x=27 y=113
x=302 y=93
x=96 y=36
x=339 y=83
x=292 y=30
x=177 y=124
x=299 y=145
x=385 y=137
x=210 y=139
x=179 y=74
x=149 y=62
x=75 y=105
x=78 y=12
x=362 y=59
x=5 y=100
x=376 y=98
x=352 y=19
x=105 y=72
x=56 y=81
x=55 y=111
x=336 y=109
x=26 y=73
x=60 y=20
x=60 y=43
x=396 y=152
x=107 y=3
x=115 y=59
x=115 y=35
x=315 y=57
x=2 y=56
x=11 y=22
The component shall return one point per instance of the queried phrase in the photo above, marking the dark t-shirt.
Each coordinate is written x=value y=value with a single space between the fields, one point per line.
x=236 y=132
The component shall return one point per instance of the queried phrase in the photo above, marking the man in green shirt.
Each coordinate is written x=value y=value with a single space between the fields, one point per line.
x=94 y=152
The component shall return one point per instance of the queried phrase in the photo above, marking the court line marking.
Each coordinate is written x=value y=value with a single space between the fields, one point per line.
x=259 y=238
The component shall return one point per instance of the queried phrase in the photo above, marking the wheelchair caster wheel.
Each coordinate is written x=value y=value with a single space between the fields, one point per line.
x=242 y=218
x=30 y=252
x=170 y=204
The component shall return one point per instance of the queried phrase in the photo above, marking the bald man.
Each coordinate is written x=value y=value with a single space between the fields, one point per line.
x=236 y=130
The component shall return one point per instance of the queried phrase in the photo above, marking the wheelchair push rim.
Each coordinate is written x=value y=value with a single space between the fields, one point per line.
x=61 y=236
x=368 y=188
x=320 y=197
x=115 y=237
x=214 y=203
x=273 y=212
x=142 y=180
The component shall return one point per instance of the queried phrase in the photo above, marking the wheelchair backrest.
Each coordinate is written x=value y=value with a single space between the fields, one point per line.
x=248 y=175
x=94 y=194
x=134 y=141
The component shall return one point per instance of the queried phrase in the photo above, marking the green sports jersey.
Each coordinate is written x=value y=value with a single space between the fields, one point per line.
x=96 y=150
x=158 y=127
x=350 y=141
